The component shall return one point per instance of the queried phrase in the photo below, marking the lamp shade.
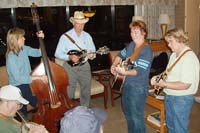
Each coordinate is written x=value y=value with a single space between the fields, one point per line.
x=141 y=18
x=164 y=19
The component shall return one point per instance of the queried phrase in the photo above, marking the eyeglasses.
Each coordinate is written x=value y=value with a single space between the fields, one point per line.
x=20 y=105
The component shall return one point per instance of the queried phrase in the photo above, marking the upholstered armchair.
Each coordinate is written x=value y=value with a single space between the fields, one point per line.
x=4 y=76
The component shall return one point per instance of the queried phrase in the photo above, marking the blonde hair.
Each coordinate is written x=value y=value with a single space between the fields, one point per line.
x=13 y=36
x=178 y=34
x=142 y=26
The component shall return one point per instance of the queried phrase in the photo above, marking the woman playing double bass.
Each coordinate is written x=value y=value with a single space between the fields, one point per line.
x=18 y=64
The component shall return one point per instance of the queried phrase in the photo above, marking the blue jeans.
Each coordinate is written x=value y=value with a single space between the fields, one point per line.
x=27 y=94
x=133 y=104
x=178 y=109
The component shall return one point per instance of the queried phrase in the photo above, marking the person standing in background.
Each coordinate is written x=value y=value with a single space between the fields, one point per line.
x=18 y=64
x=181 y=82
x=136 y=83
x=66 y=50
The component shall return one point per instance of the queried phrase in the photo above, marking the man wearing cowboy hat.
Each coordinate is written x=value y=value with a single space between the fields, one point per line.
x=76 y=39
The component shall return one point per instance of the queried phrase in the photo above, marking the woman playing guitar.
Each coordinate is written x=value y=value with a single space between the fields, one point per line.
x=136 y=82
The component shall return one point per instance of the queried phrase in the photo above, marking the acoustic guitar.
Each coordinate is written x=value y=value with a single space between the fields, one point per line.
x=83 y=54
x=163 y=75
x=119 y=78
x=158 y=89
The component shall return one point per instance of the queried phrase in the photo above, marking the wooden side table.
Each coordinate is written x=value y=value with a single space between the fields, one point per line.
x=158 y=104
x=159 y=46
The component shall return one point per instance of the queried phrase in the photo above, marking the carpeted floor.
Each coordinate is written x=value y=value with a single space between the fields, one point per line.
x=116 y=122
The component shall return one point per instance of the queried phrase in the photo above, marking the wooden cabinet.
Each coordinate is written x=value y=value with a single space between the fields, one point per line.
x=159 y=46
x=187 y=16
x=152 y=101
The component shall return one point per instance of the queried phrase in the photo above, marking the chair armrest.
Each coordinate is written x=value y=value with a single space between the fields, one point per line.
x=102 y=75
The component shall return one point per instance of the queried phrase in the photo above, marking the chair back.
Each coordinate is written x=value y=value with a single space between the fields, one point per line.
x=4 y=76
x=59 y=61
x=112 y=56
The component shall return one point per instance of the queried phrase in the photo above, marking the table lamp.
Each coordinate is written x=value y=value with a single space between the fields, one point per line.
x=163 y=21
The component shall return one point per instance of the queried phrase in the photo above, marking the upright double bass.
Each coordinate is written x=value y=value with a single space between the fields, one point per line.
x=52 y=95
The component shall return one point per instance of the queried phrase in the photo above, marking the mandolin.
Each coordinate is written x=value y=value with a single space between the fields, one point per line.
x=83 y=54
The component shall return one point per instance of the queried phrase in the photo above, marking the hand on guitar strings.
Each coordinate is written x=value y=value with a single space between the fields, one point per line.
x=120 y=70
x=160 y=83
x=113 y=69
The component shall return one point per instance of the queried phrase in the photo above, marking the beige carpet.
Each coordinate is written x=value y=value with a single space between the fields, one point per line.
x=116 y=122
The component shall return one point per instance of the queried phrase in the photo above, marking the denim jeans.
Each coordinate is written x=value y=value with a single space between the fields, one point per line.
x=133 y=103
x=178 y=109
x=27 y=94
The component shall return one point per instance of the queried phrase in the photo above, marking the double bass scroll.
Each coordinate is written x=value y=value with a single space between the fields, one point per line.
x=52 y=96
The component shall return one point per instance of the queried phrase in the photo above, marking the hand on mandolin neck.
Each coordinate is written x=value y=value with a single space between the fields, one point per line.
x=77 y=57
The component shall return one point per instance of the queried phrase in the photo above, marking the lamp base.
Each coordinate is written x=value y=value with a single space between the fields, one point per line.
x=164 y=30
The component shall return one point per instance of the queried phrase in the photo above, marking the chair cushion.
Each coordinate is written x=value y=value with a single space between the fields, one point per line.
x=4 y=76
x=96 y=88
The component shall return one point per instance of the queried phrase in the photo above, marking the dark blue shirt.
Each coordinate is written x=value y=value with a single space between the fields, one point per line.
x=141 y=64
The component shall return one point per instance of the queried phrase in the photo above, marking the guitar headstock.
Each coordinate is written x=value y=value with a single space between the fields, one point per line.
x=103 y=50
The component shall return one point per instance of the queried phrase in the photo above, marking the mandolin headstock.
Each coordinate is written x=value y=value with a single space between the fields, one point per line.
x=103 y=50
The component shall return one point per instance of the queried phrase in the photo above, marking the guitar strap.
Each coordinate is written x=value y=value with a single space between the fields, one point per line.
x=163 y=75
x=136 y=52
x=170 y=68
x=72 y=40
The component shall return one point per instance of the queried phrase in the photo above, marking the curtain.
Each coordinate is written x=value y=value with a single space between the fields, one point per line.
x=151 y=14
x=40 y=3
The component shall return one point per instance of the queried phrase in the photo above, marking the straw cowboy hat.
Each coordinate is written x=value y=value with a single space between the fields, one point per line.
x=79 y=17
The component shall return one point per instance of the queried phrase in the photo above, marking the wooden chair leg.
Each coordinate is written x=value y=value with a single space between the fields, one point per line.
x=105 y=98
x=112 y=98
